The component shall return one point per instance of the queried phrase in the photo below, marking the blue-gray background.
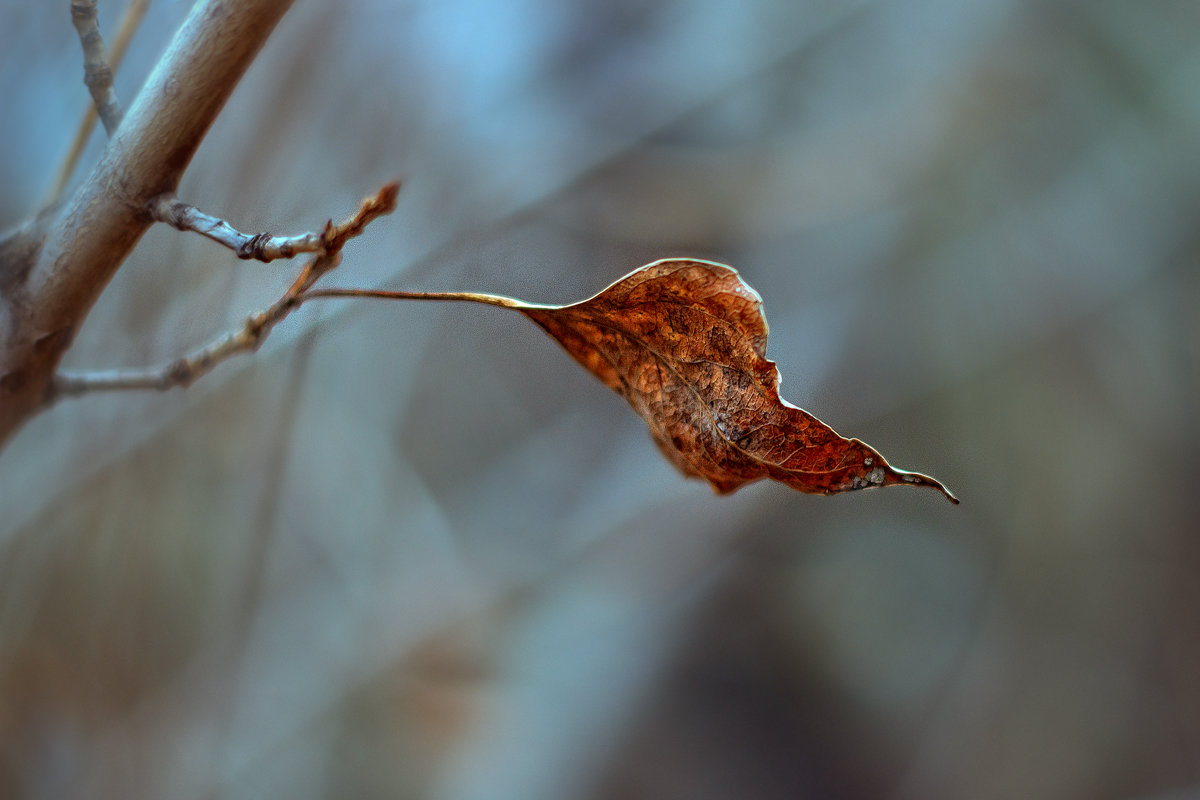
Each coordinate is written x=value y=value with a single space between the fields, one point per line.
x=414 y=551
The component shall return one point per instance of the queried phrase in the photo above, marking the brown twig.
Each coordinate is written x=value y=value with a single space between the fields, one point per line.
x=187 y=369
x=129 y=25
x=97 y=74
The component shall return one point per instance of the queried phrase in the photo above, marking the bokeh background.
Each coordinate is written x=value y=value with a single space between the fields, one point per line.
x=412 y=550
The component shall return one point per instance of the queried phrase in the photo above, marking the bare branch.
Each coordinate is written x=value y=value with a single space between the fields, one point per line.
x=186 y=370
x=90 y=235
x=261 y=246
x=129 y=25
x=97 y=74
x=182 y=371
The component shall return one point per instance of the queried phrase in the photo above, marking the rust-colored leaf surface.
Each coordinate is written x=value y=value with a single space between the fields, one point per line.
x=685 y=342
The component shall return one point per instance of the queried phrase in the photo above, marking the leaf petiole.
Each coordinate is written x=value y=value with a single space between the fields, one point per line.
x=380 y=294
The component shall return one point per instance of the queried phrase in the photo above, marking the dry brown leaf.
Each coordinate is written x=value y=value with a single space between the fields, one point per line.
x=684 y=342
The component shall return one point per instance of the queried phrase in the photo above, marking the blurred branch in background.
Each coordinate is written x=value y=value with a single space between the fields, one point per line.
x=450 y=568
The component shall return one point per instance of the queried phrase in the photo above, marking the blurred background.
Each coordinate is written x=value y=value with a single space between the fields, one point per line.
x=412 y=550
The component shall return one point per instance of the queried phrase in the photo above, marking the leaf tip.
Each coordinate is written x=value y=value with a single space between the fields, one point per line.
x=917 y=479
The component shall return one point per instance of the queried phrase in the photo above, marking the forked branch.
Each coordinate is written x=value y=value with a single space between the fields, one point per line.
x=187 y=369
x=65 y=261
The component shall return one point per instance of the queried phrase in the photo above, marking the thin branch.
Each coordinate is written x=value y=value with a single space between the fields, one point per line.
x=129 y=25
x=186 y=370
x=169 y=209
x=97 y=74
